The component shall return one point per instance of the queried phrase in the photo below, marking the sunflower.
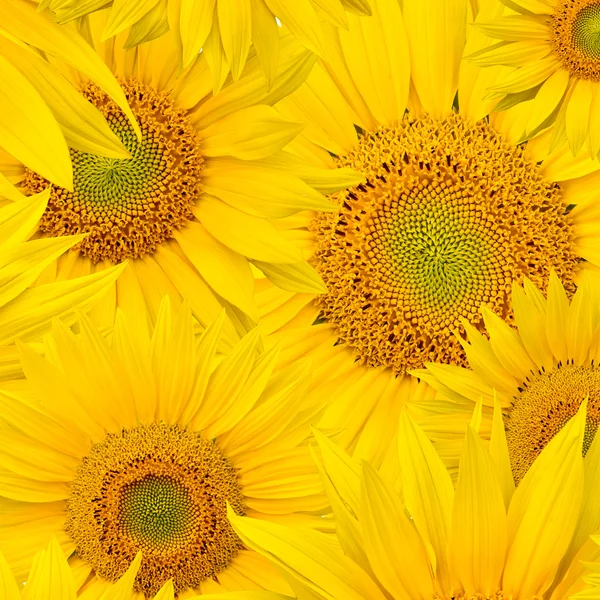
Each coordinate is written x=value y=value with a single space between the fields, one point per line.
x=451 y=210
x=426 y=539
x=548 y=53
x=205 y=184
x=26 y=308
x=223 y=29
x=539 y=372
x=51 y=577
x=139 y=443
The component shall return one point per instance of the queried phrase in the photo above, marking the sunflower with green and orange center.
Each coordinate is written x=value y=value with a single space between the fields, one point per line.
x=139 y=443
x=452 y=211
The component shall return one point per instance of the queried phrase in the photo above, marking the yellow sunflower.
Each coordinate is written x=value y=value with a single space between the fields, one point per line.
x=223 y=29
x=547 y=53
x=450 y=213
x=424 y=539
x=201 y=194
x=26 y=308
x=540 y=371
x=139 y=443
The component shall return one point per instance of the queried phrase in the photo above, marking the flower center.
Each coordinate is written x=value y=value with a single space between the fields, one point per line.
x=449 y=216
x=547 y=402
x=162 y=490
x=575 y=37
x=128 y=207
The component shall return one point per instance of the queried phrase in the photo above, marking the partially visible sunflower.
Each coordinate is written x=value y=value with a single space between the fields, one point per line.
x=223 y=29
x=202 y=191
x=540 y=372
x=138 y=443
x=550 y=54
x=423 y=539
x=27 y=308
x=52 y=578
x=451 y=212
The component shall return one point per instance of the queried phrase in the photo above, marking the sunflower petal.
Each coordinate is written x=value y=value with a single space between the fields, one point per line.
x=124 y=14
x=479 y=535
x=249 y=134
x=298 y=277
x=8 y=584
x=309 y=556
x=436 y=38
x=544 y=511
x=24 y=22
x=428 y=491
x=196 y=19
x=32 y=134
x=395 y=550
x=235 y=26
x=50 y=576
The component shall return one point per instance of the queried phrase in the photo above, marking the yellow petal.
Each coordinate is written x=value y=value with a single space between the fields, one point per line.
x=514 y=28
x=50 y=576
x=196 y=19
x=528 y=76
x=22 y=20
x=376 y=53
x=215 y=56
x=507 y=346
x=395 y=550
x=226 y=271
x=152 y=25
x=272 y=416
x=298 y=277
x=309 y=556
x=594 y=122
x=531 y=323
x=557 y=312
x=544 y=511
x=359 y=7
x=228 y=380
x=122 y=590
x=299 y=16
x=265 y=38
x=499 y=454
x=260 y=192
x=578 y=114
x=8 y=585
x=436 y=38
x=548 y=98
x=231 y=226
x=510 y=54
x=124 y=14
x=36 y=307
x=174 y=362
x=428 y=492
x=32 y=134
x=582 y=320
x=235 y=26
x=18 y=219
x=478 y=539
x=249 y=393
x=249 y=134
x=166 y=592
x=293 y=69
x=83 y=125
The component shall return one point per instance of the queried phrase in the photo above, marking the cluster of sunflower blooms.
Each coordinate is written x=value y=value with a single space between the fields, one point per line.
x=299 y=299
